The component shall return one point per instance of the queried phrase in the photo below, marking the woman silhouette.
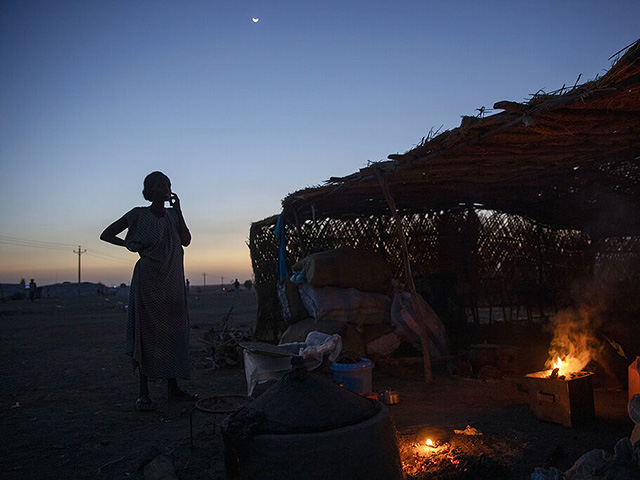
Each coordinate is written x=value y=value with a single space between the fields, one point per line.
x=157 y=333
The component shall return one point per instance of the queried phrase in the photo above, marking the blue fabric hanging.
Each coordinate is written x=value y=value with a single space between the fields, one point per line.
x=283 y=270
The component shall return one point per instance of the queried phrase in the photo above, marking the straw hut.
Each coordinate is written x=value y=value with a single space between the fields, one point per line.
x=508 y=210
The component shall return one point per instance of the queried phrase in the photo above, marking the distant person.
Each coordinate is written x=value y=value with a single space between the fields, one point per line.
x=33 y=288
x=236 y=284
x=188 y=285
x=157 y=333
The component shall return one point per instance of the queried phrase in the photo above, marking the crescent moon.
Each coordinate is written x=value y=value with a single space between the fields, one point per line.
x=255 y=20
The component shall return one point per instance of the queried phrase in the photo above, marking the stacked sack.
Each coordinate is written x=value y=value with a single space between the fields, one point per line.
x=348 y=292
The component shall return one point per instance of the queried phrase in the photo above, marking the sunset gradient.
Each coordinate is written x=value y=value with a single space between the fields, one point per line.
x=96 y=94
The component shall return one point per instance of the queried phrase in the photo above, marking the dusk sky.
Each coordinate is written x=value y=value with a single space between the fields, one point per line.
x=94 y=95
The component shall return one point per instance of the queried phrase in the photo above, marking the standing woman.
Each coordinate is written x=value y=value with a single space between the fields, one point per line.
x=157 y=333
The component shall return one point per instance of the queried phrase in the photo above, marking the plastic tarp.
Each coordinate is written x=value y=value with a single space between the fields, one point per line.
x=262 y=367
x=405 y=322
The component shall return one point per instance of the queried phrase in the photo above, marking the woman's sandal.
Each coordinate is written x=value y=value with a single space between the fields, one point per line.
x=145 y=405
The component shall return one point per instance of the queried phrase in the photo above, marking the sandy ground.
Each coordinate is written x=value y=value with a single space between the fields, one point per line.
x=67 y=400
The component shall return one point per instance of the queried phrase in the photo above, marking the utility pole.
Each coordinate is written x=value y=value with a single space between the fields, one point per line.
x=80 y=251
x=204 y=276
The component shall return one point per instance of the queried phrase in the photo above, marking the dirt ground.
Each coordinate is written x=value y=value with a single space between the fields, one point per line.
x=67 y=399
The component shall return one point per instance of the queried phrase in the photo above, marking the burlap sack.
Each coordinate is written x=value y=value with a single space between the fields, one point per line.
x=364 y=270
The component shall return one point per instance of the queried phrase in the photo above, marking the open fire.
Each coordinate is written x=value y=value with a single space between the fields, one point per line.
x=563 y=370
x=562 y=394
x=426 y=456
x=575 y=341
x=461 y=456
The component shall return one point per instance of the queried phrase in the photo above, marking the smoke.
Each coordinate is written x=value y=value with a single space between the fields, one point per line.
x=591 y=331
x=575 y=339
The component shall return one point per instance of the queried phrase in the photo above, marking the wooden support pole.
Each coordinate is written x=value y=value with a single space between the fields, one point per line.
x=408 y=278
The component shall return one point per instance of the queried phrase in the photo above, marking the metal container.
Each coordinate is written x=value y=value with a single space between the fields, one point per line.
x=566 y=399
x=390 y=397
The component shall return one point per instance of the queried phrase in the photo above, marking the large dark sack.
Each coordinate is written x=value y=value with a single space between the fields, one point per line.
x=364 y=270
x=348 y=305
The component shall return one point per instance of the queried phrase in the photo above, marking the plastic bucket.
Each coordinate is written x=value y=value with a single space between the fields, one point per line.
x=355 y=376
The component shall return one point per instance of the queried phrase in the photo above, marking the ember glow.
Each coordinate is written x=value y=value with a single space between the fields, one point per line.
x=426 y=457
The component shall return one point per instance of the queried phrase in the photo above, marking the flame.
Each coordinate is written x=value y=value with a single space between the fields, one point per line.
x=562 y=367
x=425 y=447
x=574 y=342
x=568 y=366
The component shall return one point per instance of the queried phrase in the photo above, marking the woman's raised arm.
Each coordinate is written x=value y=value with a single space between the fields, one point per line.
x=110 y=233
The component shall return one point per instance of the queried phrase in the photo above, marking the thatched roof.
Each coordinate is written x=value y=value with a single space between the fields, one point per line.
x=567 y=159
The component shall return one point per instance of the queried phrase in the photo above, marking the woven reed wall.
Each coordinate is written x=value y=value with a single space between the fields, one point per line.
x=500 y=258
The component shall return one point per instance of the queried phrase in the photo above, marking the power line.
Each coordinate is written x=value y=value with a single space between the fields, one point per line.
x=27 y=243
x=104 y=256
x=23 y=242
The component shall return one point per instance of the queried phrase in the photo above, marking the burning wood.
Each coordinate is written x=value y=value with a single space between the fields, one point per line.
x=559 y=372
x=578 y=340
x=426 y=458
x=563 y=393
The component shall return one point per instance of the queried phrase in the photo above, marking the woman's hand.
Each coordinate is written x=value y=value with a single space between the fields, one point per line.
x=174 y=201
x=183 y=230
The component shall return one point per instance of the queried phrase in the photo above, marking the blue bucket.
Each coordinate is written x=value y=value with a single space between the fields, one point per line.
x=356 y=377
